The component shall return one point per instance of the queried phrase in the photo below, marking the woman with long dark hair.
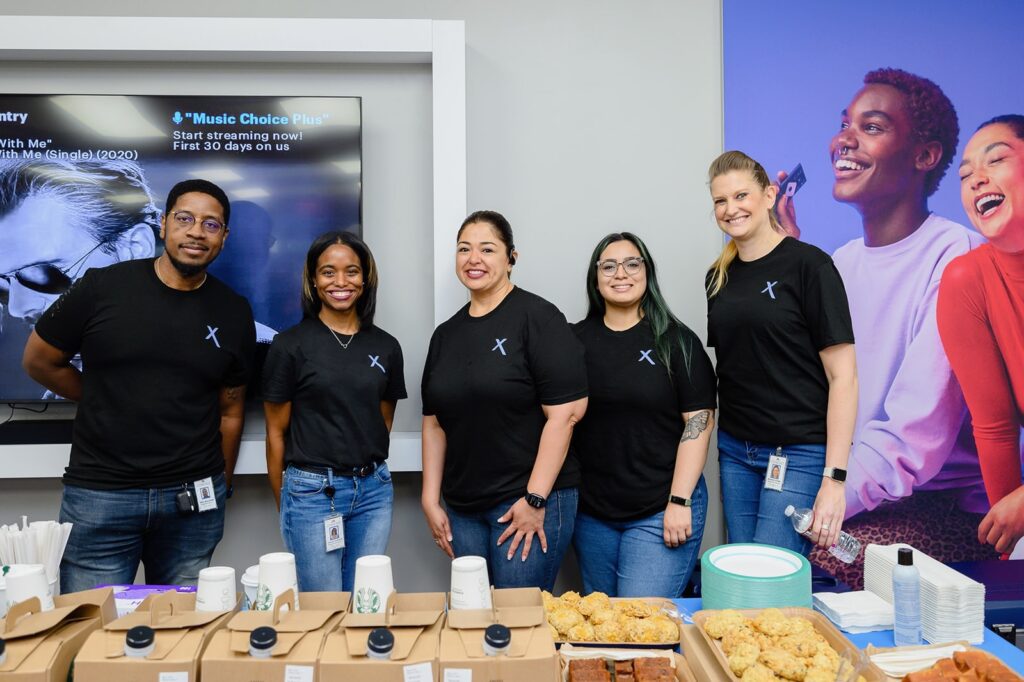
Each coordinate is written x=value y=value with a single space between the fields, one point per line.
x=644 y=442
x=981 y=319
x=330 y=386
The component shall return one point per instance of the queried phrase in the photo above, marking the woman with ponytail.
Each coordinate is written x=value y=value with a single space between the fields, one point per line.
x=779 y=321
x=643 y=444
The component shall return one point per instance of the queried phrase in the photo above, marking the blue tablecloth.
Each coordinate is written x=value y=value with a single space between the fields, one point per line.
x=1009 y=654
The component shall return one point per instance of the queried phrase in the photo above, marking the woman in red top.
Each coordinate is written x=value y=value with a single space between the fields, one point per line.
x=981 y=319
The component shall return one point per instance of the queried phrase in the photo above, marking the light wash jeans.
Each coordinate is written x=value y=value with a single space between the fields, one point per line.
x=116 y=529
x=630 y=558
x=365 y=506
x=754 y=514
x=476 y=534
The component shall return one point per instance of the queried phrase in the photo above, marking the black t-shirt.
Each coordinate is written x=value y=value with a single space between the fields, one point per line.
x=335 y=393
x=628 y=440
x=485 y=380
x=767 y=325
x=153 y=362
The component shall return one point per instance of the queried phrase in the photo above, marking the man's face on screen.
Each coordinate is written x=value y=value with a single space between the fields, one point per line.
x=43 y=249
x=873 y=153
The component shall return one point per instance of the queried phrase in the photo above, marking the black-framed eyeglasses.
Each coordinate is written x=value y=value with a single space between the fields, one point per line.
x=185 y=220
x=44 y=278
x=631 y=266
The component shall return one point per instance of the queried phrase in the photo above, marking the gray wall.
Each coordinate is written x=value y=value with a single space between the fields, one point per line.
x=584 y=117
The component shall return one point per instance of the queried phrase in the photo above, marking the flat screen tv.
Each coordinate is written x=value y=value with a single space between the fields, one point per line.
x=84 y=178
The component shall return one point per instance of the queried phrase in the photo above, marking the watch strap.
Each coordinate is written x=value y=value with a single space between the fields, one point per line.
x=835 y=473
x=683 y=501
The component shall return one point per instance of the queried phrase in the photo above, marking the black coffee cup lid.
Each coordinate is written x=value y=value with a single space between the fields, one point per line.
x=140 y=637
x=497 y=636
x=380 y=641
x=263 y=638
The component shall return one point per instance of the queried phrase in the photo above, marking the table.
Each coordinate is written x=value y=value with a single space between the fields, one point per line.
x=994 y=644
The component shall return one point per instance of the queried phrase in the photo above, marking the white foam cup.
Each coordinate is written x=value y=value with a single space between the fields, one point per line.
x=25 y=581
x=276 y=576
x=471 y=587
x=215 y=590
x=373 y=584
x=250 y=583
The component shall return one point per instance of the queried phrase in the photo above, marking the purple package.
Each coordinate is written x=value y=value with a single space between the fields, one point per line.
x=128 y=597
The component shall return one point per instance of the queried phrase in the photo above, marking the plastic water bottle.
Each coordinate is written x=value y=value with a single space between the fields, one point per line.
x=906 y=600
x=847 y=547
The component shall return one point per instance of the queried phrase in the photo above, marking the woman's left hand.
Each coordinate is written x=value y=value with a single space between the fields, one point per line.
x=523 y=522
x=829 y=511
x=678 y=524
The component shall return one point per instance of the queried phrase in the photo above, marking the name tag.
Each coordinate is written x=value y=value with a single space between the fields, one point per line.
x=776 y=474
x=206 y=498
x=334 y=532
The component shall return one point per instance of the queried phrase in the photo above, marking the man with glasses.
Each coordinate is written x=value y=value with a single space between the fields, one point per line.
x=57 y=220
x=166 y=352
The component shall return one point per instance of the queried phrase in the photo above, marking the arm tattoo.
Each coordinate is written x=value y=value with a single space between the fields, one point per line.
x=695 y=425
x=233 y=392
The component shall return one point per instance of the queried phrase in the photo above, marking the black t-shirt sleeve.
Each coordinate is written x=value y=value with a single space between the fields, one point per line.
x=395 y=389
x=240 y=371
x=280 y=371
x=556 y=358
x=63 y=324
x=826 y=308
x=432 y=352
x=694 y=380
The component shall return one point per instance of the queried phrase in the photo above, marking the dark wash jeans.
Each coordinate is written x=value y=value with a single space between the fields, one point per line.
x=116 y=529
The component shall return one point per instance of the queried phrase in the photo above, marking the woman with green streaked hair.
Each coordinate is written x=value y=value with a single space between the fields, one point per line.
x=644 y=441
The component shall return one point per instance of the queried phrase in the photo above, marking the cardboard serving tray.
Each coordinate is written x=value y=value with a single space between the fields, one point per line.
x=664 y=604
x=682 y=669
x=821 y=624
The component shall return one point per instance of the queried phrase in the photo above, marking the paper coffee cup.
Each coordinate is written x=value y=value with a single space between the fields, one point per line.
x=25 y=581
x=250 y=583
x=215 y=590
x=277 y=575
x=373 y=584
x=471 y=588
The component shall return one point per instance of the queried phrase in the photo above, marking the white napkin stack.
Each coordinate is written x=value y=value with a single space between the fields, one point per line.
x=39 y=542
x=855 y=612
x=952 y=605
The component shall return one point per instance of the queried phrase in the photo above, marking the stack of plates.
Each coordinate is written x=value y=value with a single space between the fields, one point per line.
x=751 y=576
x=855 y=612
x=952 y=605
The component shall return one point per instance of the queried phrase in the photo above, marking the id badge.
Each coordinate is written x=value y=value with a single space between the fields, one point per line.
x=206 y=498
x=334 y=532
x=776 y=473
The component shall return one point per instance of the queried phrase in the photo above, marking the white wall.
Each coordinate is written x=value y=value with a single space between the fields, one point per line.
x=584 y=117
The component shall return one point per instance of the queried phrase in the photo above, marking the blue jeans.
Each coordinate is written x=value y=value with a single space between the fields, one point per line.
x=365 y=506
x=630 y=558
x=476 y=534
x=755 y=514
x=115 y=529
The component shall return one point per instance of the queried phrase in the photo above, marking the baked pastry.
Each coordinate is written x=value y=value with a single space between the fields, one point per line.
x=758 y=673
x=595 y=601
x=564 y=618
x=581 y=632
x=743 y=656
x=784 y=664
x=610 y=631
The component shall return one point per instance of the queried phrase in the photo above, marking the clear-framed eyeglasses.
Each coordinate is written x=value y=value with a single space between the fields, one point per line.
x=185 y=220
x=631 y=266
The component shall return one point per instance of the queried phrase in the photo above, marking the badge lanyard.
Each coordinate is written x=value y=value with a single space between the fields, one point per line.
x=334 y=530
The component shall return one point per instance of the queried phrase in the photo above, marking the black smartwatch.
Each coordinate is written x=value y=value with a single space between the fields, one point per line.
x=835 y=473
x=684 y=501
x=535 y=501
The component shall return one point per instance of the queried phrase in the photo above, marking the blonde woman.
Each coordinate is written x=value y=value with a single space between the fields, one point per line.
x=779 y=321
